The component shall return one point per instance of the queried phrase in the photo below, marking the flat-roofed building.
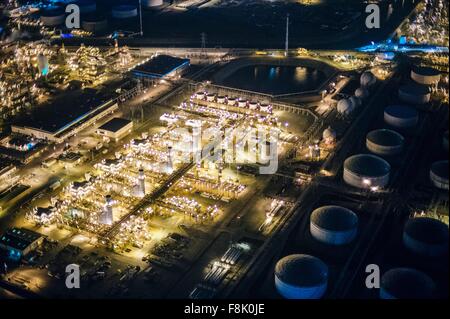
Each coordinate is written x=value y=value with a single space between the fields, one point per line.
x=19 y=242
x=116 y=129
x=160 y=67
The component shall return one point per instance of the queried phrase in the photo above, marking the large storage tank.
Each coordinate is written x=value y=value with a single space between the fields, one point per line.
x=86 y=6
x=384 y=142
x=414 y=93
x=152 y=3
x=367 y=79
x=401 y=116
x=124 y=11
x=333 y=225
x=301 y=277
x=53 y=16
x=439 y=174
x=95 y=23
x=425 y=75
x=406 y=283
x=366 y=171
x=345 y=107
x=426 y=236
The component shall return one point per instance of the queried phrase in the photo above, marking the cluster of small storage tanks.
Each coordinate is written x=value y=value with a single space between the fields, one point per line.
x=348 y=106
x=92 y=20
x=232 y=101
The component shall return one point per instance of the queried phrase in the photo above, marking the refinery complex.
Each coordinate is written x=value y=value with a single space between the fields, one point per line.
x=202 y=162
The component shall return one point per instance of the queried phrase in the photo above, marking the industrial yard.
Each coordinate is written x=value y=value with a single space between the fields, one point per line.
x=170 y=172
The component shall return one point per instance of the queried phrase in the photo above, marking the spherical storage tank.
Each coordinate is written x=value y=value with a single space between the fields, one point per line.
x=124 y=11
x=384 y=142
x=426 y=237
x=366 y=171
x=152 y=3
x=425 y=75
x=53 y=16
x=94 y=22
x=329 y=135
x=406 y=283
x=400 y=116
x=301 y=277
x=345 y=107
x=333 y=225
x=367 y=79
x=414 y=93
x=362 y=93
x=439 y=174
x=355 y=101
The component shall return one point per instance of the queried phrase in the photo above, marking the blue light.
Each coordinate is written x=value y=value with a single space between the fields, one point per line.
x=66 y=35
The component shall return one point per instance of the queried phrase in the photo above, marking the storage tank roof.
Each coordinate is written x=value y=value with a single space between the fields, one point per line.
x=440 y=169
x=415 y=89
x=427 y=230
x=334 y=218
x=426 y=71
x=124 y=7
x=367 y=165
x=385 y=137
x=302 y=270
x=407 y=283
x=401 y=111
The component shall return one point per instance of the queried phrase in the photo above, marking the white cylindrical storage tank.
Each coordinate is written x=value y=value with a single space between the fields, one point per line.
x=253 y=105
x=200 y=95
x=301 y=277
x=94 y=23
x=425 y=75
x=152 y=3
x=367 y=79
x=414 y=93
x=345 y=107
x=232 y=101
x=264 y=107
x=384 y=142
x=329 y=135
x=362 y=93
x=439 y=174
x=124 y=12
x=242 y=103
x=366 y=171
x=401 y=116
x=406 y=283
x=445 y=141
x=426 y=237
x=333 y=225
x=210 y=97
x=53 y=16
x=221 y=99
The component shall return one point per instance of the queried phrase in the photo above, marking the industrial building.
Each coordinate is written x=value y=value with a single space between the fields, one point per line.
x=333 y=225
x=401 y=116
x=19 y=242
x=439 y=174
x=115 y=129
x=414 y=93
x=301 y=277
x=160 y=67
x=406 y=283
x=425 y=75
x=426 y=237
x=366 y=171
x=63 y=117
x=384 y=142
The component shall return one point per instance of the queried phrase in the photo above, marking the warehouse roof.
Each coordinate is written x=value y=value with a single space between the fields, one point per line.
x=115 y=125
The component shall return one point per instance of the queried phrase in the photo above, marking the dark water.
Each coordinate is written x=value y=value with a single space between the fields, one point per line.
x=275 y=80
